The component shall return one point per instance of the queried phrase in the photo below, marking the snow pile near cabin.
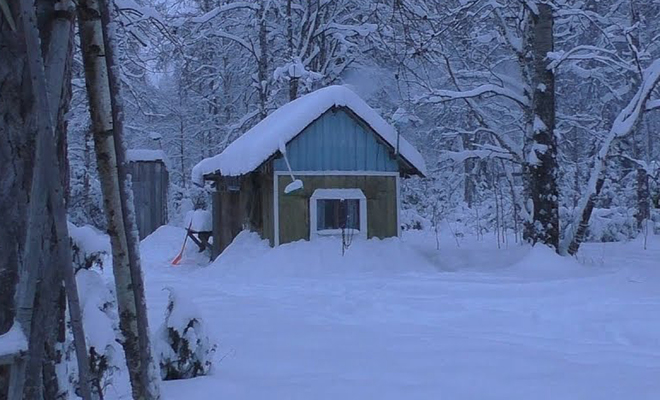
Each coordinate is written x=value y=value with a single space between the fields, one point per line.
x=249 y=255
x=262 y=141
x=400 y=319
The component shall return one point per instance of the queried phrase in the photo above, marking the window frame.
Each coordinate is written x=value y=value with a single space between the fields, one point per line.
x=336 y=194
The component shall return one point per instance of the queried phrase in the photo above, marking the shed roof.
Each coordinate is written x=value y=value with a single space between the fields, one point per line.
x=257 y=145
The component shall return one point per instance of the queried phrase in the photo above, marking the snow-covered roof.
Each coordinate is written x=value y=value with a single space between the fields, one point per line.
x=258 y=144
x=145 y=155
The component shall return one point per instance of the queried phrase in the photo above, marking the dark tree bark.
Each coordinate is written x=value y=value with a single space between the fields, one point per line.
x=293 y=83
x=541 y=144
x=584 y=220
x=16 y=161
x=262 y=62
x=643 y=212
x=43 y=244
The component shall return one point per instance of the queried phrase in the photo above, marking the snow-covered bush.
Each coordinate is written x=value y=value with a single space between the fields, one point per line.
x=183 y=346
x=89 y=246
x=90 y=249
x=608 y=224
x=612 y=225
x=411 y=220
x=100 y=321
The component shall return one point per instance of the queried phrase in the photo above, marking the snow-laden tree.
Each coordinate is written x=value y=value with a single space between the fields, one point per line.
x=512 y=68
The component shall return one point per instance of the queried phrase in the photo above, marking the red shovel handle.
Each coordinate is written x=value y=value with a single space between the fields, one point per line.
x=178 y=258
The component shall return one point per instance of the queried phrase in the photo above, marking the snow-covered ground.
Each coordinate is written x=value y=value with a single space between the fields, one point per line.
x=398 y=319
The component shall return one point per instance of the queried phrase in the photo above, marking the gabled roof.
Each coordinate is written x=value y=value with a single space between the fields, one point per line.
x=257 y=145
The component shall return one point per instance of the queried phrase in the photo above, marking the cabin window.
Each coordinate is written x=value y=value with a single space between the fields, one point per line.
x=333 y=211
x=338 y=214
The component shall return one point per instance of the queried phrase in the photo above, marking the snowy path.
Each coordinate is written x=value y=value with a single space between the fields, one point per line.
x=301 y=322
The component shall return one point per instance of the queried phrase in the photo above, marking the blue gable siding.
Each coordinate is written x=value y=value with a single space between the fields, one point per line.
x=337 y=142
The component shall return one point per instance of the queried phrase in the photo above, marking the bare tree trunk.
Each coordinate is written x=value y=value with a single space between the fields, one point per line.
x=468 y=175
x=584 y=219
x=17 y=124
x=293 y=83
x=101 y=77
x=16 y=119
x=47 y=236
x=642 y=179
x=541 y=169
x=182 y=153
x=149 y=372
x=262 y=62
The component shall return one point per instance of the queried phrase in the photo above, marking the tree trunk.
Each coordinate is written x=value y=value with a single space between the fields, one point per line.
x=541 y=145
x=293 y=82
x=47 y=238
x=17 y=124
x=150 y=374
x=116 y=201
x=40 y=290
x=262 y=62
x=643 y=212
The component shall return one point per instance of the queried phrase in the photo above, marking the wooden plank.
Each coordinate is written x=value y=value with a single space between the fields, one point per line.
x=217 y=224
x=267 y=206
x=150 y=190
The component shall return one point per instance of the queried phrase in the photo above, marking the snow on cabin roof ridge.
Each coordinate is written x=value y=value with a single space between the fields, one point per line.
x=253 y=148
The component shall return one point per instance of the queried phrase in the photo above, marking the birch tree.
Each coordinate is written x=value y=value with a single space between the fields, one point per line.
x=102 y=81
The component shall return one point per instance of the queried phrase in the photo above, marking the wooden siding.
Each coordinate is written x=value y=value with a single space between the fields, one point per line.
x=267 y=211
x=150 y=186
x=249 y=205
x=380 y=192
x=338 y=141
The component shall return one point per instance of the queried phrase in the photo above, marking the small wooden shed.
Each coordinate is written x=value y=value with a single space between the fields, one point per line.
x=150 y=182
x=348 y=159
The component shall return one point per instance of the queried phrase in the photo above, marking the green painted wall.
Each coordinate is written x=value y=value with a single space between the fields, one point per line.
x=380 y=192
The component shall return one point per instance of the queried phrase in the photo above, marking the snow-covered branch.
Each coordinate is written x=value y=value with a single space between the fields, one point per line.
x=254 y=6
x=622 y=126
x=439 y=96
x=653 y=105
x=589 y=53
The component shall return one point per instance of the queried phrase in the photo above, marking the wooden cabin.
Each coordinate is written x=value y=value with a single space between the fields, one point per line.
x=348 y=162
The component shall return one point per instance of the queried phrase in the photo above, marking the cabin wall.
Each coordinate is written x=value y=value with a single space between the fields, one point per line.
x=242 y=205
x=380 y=191
x=267 y=210
x=338 y=141
x=150 y=183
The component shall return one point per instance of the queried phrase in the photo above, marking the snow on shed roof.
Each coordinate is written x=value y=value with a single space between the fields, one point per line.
x=146 y=155
x=249 y=151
